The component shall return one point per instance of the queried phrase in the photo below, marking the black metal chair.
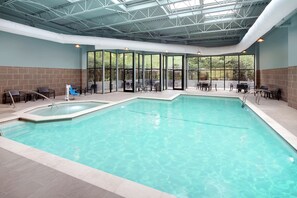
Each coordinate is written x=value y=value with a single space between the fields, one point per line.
x=92 y=89
x=276 y=94
x=46 y=92
x=242 y=86
x=15 y=94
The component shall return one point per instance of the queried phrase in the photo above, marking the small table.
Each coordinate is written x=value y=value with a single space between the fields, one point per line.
x=30 y=97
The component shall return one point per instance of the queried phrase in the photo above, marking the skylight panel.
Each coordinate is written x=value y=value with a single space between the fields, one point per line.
x=184 y=5
x=123 y=7
x=211 y=1
x=221 y=13
x=218 y=20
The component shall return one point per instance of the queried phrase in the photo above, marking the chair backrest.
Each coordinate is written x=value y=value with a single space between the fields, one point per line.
x=264 y=87
x=14 y=92
x=42 y=89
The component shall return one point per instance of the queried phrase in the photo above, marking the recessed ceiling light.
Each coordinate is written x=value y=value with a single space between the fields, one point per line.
x=260 y=40
x=126 y=48
x=77 y=46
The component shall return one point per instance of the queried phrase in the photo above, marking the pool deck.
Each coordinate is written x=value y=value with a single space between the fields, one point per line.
x=29 y=172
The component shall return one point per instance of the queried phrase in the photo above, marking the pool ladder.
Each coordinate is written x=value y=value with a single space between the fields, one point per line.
x=244 y=100
x=245 y=96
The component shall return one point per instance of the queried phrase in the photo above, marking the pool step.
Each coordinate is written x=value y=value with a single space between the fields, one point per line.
x=14 y=130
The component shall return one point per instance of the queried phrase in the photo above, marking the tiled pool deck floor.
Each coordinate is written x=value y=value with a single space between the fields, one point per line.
x=26 y=174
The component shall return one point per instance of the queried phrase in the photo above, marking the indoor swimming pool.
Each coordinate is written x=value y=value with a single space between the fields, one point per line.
x=189 y=147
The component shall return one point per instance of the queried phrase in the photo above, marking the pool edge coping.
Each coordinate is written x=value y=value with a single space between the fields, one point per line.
x=113 y=183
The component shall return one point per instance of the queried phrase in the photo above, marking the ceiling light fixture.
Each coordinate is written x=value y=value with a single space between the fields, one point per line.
x=77 y=46
x=126 y=48
x=198 y=52
x=244 y=52
x=260 y=40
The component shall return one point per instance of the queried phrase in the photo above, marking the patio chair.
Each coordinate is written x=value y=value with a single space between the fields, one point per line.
x=276 y=94
x=157 y=86
x=16 y=95
x=92 y=89
x=242 y=86
x=264 y=91
x=46 y=92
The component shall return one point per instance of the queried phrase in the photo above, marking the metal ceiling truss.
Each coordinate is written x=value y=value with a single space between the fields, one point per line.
x=218 y=22
x=154 y=13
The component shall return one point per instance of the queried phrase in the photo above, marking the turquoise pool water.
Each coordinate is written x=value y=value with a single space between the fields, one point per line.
x=65 y=108
x=191 y=147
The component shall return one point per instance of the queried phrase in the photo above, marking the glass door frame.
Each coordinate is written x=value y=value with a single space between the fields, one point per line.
x=182 y=73
x=124 y=68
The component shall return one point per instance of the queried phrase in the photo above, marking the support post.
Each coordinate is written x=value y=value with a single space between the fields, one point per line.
x=117 y=70
x=103 y=72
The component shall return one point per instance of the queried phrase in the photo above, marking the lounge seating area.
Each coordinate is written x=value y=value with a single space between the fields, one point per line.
x=206 y=86
x=19 y=95
x=270 y=91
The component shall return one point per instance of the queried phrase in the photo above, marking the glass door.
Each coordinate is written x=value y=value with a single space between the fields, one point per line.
x=178 y=73
x=107 y=72
x=169 y=72
x=113 y=72
x=128 y=72
x=177 y=79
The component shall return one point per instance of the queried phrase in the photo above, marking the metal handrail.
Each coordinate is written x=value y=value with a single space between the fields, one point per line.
x=31 y=91
x=257 y=99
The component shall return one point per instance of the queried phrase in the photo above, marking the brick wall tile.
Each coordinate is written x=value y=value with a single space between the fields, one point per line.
x=29 y=78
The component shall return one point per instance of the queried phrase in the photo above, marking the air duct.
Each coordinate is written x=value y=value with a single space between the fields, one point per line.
x=272 y=15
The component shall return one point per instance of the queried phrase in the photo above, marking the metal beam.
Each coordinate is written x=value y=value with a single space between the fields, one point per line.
x=199 y=23
x=85 y=6
x=126 y=20
x=37 y=20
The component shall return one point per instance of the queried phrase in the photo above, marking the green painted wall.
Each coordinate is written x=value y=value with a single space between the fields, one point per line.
x=274 y=50
x=16 y=50
x=279 y=49
x=292 y=37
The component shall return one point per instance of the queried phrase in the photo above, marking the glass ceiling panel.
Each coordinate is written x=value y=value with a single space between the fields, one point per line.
x=212 y=1
x=221 y=13
x=184 y=5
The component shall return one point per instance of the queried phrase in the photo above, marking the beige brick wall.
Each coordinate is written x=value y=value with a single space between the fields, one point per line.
x=29 y=78
x=292 y=87
x=84 y=78
x=274 y=78
x=285 y=78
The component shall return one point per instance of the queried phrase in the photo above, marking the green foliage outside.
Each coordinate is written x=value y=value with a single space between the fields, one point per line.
x=216 y=65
